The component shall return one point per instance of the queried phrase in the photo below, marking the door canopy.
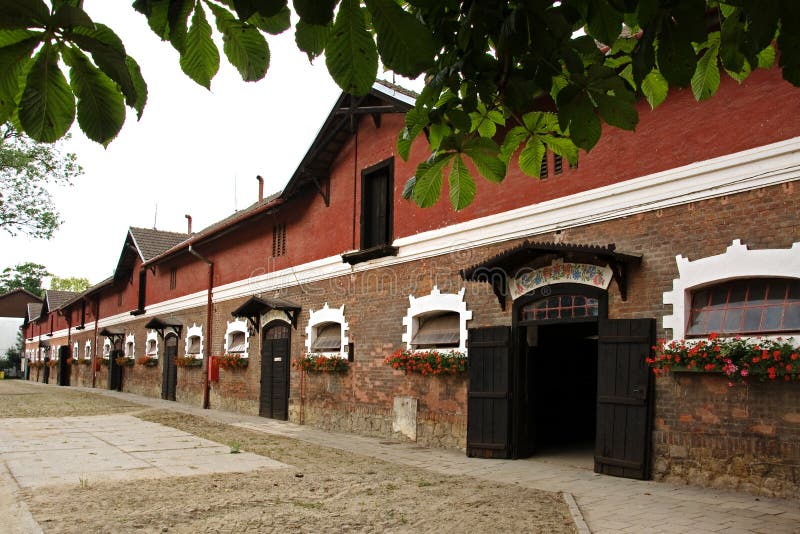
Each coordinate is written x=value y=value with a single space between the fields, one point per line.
x=255 y=306
x=530 y=265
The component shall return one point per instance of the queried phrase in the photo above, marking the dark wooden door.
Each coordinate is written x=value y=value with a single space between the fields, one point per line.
x=169 y=372
x=624 y=398
x=275 y=372
x=489 y=401
x=64 y=368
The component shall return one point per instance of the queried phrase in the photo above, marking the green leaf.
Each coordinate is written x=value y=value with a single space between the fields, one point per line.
x=266 y=8
x=576 y=114
x=200 y=57
x=178 y=21
x=484 y=153
x=23 y=14
x=462 y=185
x=706 y=78
x=676 y=58
x=416 y=120
x=428 y=184
x=351 y=55
x=438 y=132
x=156 y=12
x=13 y=60
x=617 y=111
x=10 y=37
x=101 y=110
x=540 y=121
x=562 y=146
x=515 y=137
x=67 y=16
x=311 y=38
x=530 y=159
x=317 y=12
x=605 y=22
x=731 y=36
x=47 y=108
x=405 y=45
x=109 y=55
x=408 y=188
x=141 y=87
x=655 y=88
x=243 y=44
x=274 y=25
x=766 y=58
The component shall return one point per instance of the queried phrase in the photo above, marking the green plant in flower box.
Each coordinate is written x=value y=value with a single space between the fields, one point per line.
x=321 y=363
x=427 y=362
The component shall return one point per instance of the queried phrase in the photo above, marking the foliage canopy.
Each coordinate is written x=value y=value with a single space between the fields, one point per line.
x=503 y=79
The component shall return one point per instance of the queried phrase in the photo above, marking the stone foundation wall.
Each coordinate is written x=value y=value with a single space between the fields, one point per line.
x=745 y=437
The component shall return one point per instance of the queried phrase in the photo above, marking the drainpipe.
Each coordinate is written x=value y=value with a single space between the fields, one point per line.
x=209 y=332
x=260 y=188
x=94 y=345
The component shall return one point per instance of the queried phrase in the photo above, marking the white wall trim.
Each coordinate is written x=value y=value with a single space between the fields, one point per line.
x=436 y=301
x=755 y=168
x=736 y=262
x=238 y=325
x=87 y=350
x=130 y=339
x=152 y=335
x=75 y=350
x=107 y=348
x=327 y=315
x=194 y=331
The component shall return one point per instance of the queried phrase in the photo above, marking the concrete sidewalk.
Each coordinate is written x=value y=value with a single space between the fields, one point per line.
x=608 y=504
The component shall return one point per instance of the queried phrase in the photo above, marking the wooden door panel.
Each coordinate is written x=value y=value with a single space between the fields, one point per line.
x=624 y=406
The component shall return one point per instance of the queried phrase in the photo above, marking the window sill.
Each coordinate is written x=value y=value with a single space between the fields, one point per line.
x=369 y=254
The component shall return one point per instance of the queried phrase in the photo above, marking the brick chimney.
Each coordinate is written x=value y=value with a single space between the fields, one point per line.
x=188 y=224
x=260 y=188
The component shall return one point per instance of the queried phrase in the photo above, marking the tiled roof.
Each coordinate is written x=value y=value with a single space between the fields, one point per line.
x=55 y=299
x=34 y=310
x=151 y=243
x=398 y=88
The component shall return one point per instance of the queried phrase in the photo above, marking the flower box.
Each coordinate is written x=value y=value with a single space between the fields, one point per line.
x=429 y=362
x=147 y=361
x=188 y=361
x=736 y=357
x=321 y=363
x=232 y=361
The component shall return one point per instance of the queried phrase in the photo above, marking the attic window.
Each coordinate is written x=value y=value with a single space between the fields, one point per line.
x=437 y=330
x=279 y=240
x=328 y=339
x=543 y=170
x=558 y=164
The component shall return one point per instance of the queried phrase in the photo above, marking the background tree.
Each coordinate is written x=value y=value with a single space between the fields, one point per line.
x=503 y=79
x=24 y=275
x=13 y=356
x=27 y=169
x=69 y=284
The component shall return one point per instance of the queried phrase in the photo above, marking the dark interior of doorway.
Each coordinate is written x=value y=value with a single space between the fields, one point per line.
x=562 y=389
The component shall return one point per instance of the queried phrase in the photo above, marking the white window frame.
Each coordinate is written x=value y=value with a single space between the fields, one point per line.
x=75 y=349
x=107 y=345
x=435 y=302
x=737 y=262
x=130 y=341
x=152 y=335
x=324 y=316
x=87 y=350
x=194 y=331
x=238 y=326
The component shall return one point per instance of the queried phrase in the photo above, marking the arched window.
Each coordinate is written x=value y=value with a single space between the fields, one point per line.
x=437 y=321
x=560 y=307
x=87 y=350
x=236 y=337
x=754 y=306
x=130 y=345
x=194 y=341
x=326 y=331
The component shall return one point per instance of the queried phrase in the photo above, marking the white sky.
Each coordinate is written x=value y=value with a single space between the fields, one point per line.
x=186 y=153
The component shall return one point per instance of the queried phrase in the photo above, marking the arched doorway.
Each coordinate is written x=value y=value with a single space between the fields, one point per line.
x=169 y=376
x=556 y=371
x=275 y=344
x=114 y=369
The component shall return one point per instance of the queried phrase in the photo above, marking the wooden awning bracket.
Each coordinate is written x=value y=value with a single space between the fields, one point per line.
x=324 y=189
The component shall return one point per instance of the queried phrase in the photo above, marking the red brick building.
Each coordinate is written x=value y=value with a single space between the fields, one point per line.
x=555 y=289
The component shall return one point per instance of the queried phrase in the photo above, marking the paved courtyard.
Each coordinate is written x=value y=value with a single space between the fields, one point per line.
x=123 y=446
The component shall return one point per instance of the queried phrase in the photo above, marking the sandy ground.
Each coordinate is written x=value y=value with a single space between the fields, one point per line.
x=325 y=489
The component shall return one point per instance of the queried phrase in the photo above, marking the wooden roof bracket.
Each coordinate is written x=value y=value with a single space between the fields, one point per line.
x=324 y=189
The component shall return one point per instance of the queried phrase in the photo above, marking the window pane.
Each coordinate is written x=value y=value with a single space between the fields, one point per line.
x=758 y=291
x=738 y=293
x=776 y=293
x=719 y=296
x=752 y=320
x=714 y=320
x=772 y=318
x=791 y=317
x=700 y=299
x=733 y=320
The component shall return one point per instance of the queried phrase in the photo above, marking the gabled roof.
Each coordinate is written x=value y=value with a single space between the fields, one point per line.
x=54 y=299
x=20 y=290
x=34 y=311
x=94 y=289
x=315 y=166
x=146 y=244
